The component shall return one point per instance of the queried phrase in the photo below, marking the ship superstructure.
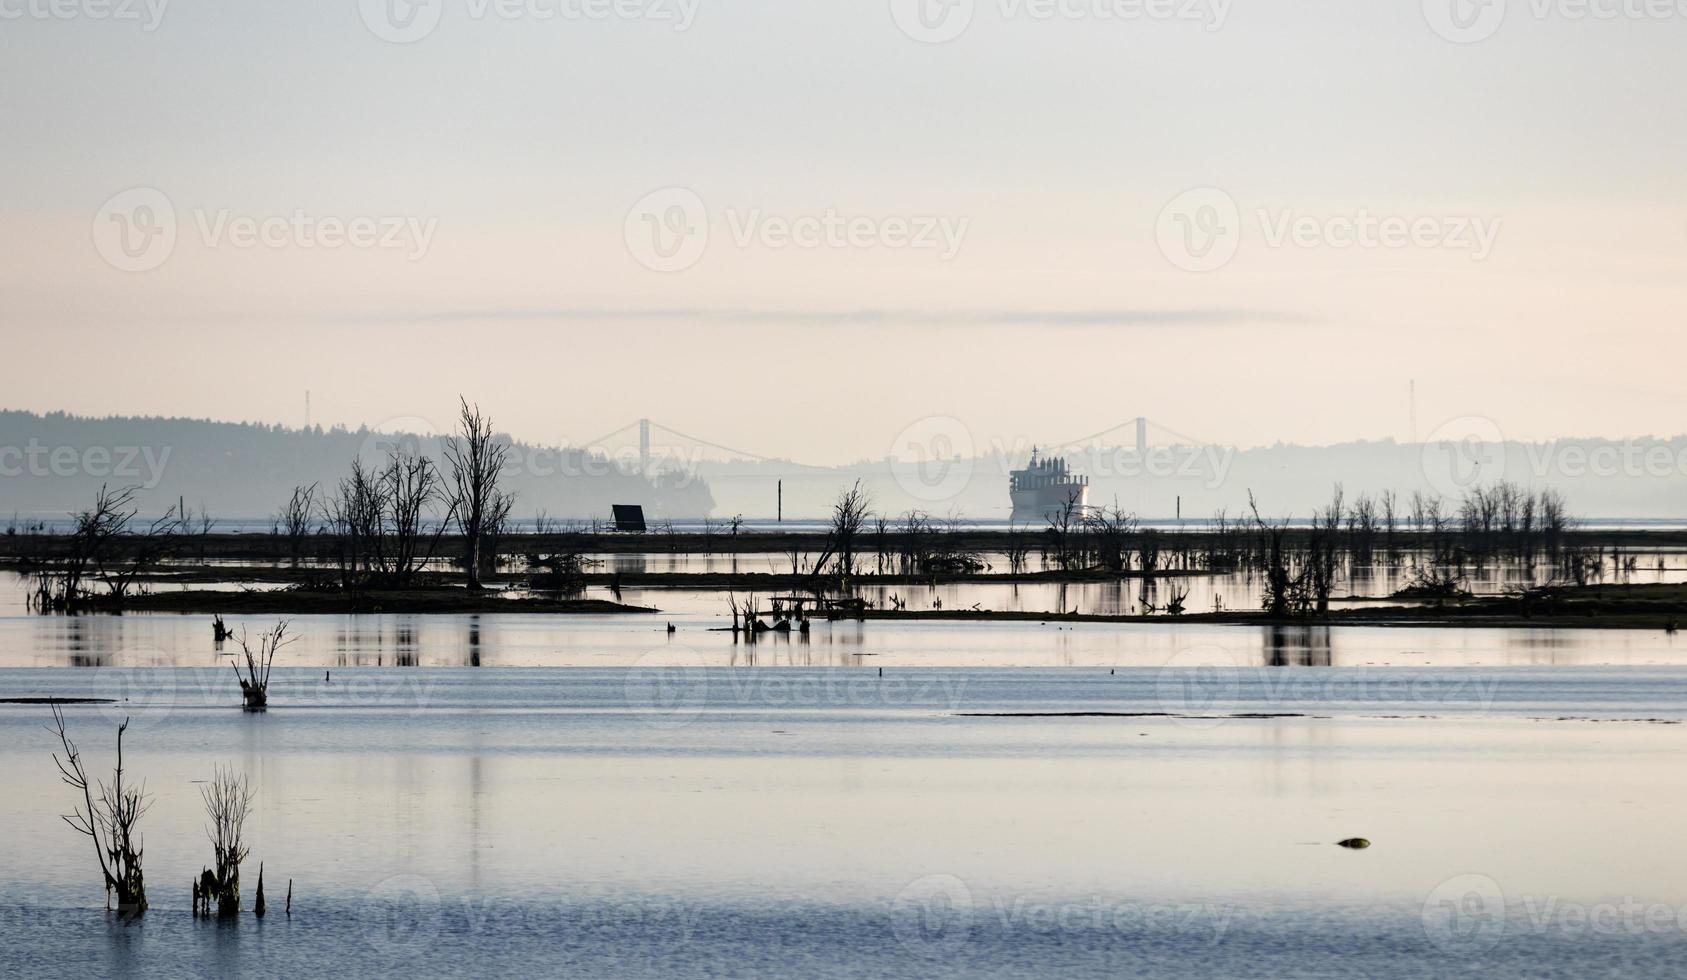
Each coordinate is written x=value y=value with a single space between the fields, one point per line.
x=1044 y=488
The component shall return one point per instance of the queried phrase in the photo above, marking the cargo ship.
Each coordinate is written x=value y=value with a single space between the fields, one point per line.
x=1045 y=487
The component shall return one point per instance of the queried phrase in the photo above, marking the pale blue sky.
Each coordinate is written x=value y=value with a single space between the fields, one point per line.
x=525 y=142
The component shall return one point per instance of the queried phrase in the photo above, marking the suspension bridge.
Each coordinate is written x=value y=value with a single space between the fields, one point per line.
x=654 y=440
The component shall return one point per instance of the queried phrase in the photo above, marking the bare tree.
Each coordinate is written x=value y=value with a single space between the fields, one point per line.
x=1016 y=549
x=407 y=488
x=1279 y=586
x=97 y=529
x=294 y=519
x=354 y=515
x=103 y=550
x=849 y=515
x=109 y=819
x=1390 y=525
x=477 y=462
x=1109 y=528
x=1061 y=520
x=1322 y=555
x=228 y=802
x=254 y=683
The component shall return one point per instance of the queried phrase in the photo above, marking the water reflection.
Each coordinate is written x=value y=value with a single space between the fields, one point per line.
x=1297 y=646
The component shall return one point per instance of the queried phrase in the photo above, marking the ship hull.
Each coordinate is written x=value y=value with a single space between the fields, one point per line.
x=1038 y=505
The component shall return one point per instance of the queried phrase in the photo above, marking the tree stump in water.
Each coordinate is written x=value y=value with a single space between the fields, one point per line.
x=253 y=696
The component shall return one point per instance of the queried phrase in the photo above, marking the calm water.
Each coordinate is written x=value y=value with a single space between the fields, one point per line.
x=590 y=796
x=1202 y=593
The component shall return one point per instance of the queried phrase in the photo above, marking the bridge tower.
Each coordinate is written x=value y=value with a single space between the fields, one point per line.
x=1141 y=436
x=644 y=446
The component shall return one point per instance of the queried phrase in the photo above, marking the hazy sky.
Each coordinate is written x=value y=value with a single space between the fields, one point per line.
x=800 y=228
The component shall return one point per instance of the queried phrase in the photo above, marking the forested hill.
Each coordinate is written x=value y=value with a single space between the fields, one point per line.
x=53 y=464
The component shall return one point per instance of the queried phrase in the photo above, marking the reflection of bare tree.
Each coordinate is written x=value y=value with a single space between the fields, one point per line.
x=1297 y=646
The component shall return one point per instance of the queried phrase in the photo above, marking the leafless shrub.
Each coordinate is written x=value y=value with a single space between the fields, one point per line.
x=228 y=802
x=254 y=683
x=109 y=819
